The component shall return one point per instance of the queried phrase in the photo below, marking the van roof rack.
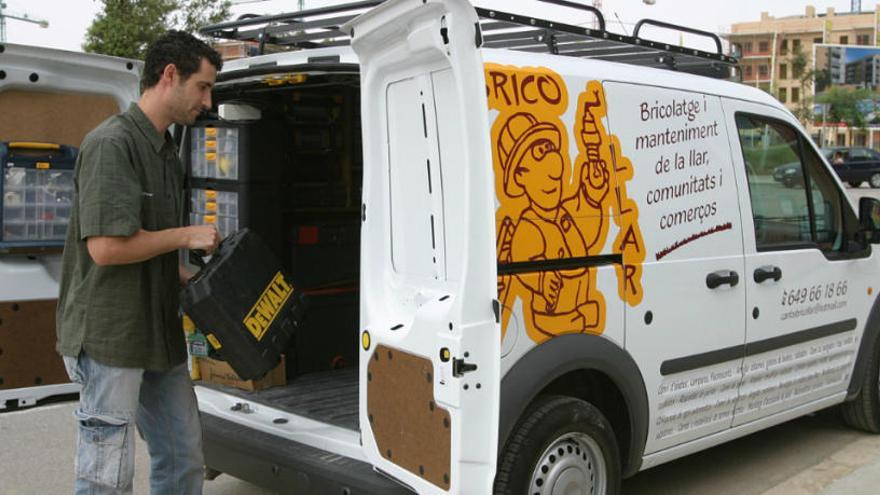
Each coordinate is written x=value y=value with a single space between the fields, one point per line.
x=320 y=27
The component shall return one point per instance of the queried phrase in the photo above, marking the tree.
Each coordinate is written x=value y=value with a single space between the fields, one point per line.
x=192 y=15
x=847 y=105
x=125 y=28
x=806 y=76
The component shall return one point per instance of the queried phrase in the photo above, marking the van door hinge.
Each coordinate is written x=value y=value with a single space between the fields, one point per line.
x=459 y=367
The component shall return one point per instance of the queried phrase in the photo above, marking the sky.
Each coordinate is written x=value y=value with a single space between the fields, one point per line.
x=69 y=19
x=851 y=53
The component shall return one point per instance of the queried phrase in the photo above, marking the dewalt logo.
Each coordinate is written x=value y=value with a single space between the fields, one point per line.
x=260 y=317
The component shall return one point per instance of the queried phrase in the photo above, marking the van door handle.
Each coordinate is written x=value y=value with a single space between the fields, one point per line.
x=721 y=277
x=765 y=272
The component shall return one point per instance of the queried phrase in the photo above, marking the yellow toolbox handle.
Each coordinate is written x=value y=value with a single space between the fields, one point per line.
x=33 y=145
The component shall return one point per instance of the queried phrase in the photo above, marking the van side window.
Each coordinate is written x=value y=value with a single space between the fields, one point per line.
x=781 y=170
x=827 y=204
x=776 y=182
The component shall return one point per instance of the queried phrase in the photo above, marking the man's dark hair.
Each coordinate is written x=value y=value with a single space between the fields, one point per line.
x=183 y=50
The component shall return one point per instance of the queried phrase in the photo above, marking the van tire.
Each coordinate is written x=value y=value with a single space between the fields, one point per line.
x=863 y=412
x=548 y=421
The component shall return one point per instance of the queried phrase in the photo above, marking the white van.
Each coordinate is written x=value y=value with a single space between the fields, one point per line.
x=570 y=269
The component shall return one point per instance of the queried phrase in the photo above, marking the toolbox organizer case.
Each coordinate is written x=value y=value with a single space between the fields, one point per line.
x=36 y=194
x=244 y=304
x=227 y=151
x=234 y=205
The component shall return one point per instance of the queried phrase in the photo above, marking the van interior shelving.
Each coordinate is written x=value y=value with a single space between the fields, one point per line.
x=313 y=109
x=307 y=209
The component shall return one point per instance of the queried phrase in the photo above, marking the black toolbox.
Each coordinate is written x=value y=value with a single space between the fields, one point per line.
x=327 y=334
x=244 y=304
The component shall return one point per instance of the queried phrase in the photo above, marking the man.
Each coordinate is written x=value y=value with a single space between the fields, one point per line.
x=118 y=325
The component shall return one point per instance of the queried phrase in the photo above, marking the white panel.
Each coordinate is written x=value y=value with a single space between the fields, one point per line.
x=814 y=295
x=452 y=161
x=28 y=396
x=781 y=379
x=407 y=301
x=686 y=192
x=65 y=71
x=683 y=182
x=333 y=439
x=25 y=278
x=414 y=227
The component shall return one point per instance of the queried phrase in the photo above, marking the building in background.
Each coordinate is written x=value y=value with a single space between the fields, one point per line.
x=777 y=55
x=833 y=62
x=863 y=72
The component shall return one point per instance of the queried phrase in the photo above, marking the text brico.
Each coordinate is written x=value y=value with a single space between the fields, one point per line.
x=260 y=317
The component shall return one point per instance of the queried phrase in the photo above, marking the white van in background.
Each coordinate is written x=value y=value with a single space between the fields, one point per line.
x=49 y=100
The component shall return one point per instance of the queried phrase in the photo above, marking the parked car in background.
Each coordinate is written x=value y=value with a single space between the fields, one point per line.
x=855 y=165
x=789 y=174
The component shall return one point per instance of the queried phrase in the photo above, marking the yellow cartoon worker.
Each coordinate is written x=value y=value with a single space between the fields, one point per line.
x=588 y=204
x=530 y=156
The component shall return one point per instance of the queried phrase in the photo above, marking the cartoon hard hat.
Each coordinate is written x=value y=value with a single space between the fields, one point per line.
x=515 y=139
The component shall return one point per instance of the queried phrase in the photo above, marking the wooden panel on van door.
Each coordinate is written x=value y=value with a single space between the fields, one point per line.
x=27 y=345
x=410 y=429
x=63 y=118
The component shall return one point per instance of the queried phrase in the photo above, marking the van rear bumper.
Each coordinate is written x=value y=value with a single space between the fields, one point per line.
x=285 y=466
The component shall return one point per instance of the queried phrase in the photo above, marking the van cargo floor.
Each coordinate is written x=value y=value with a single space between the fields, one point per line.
x=328 y=396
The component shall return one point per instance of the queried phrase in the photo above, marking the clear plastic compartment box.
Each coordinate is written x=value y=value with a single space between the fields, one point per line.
x=37 y=194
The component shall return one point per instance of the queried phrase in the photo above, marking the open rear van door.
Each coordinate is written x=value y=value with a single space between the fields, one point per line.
x=430 y=346
x=49 y=100
x=57 y=96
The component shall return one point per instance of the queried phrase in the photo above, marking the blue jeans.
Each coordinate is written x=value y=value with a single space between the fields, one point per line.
x=162 y=405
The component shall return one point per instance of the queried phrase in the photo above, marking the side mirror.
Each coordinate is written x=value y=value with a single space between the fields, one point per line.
x=869 y=219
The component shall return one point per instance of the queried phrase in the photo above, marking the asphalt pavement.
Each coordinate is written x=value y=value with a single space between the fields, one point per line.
x=814 y=455
x=37 y=447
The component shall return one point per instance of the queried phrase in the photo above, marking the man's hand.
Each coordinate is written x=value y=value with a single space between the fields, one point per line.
x=202 y=238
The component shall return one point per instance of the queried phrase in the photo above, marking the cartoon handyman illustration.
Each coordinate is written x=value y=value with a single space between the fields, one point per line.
x=593 y=177
x=549 y=210
x=533 y=167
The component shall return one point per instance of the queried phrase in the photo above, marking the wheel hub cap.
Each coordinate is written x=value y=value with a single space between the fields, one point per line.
x=572 y=465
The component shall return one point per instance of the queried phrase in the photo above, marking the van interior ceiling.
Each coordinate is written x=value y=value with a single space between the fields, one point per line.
x=302 y=195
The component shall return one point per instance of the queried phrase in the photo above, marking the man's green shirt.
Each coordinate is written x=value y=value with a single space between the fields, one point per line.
x=128 y=177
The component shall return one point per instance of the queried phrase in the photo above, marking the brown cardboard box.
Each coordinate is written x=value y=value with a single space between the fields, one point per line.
x=219 y=372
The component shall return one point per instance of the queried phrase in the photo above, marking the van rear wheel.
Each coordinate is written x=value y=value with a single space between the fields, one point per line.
x=855 y=183
x=561 y=445
x=874 y=180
